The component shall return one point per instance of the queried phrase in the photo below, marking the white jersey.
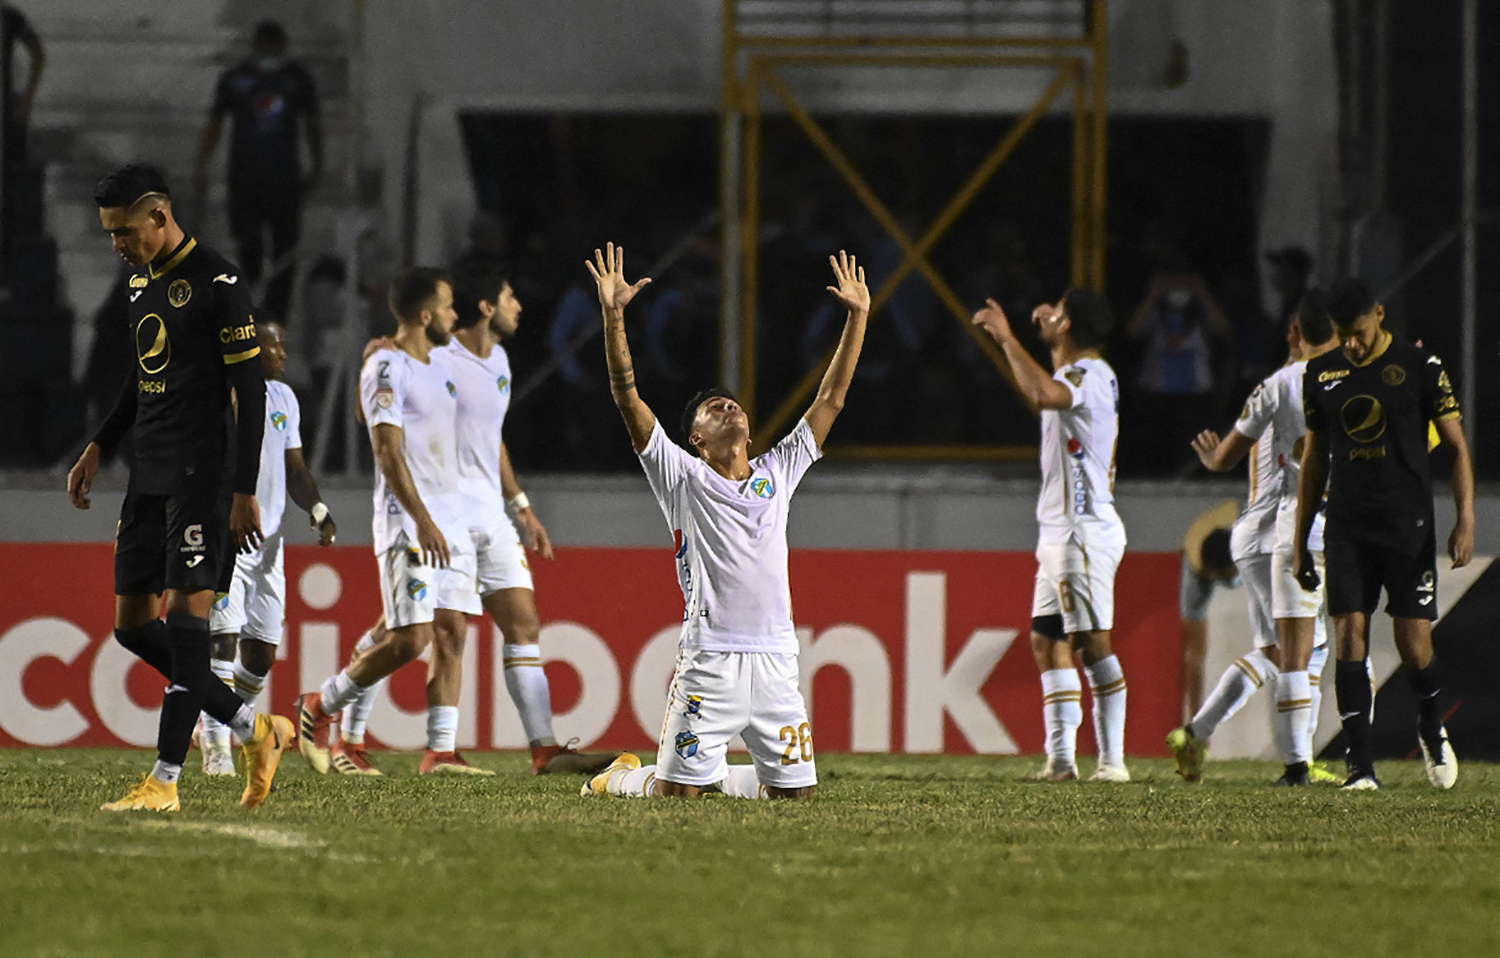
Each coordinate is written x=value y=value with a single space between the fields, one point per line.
x=1078 y=458
x=1254 y=532
x=1275 y=410
x=483 y=398
x=283 y=431
x=421 y=398
x=731 y=541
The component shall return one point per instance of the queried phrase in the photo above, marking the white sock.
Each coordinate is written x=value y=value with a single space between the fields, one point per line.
x=215 y=733
x=741 y=782
x=1062 y=709
x=248 y=685
x=243 y=723
x=527 y=684
x=357 y=715
x=338 y=692
x=1239 y=682
x=1107 y=683
x=1294 y=716
x=164 y=772
x=633 y=782
x=1315 y=682
x=442 y=727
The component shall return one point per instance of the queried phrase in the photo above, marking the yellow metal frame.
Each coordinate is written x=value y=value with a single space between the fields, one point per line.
x=1079 y=64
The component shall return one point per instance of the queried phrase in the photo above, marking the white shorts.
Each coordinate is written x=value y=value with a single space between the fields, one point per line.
x=255 y=605
x=1290 y=601
x=718 y=695
x=500 y=559
x=411 y=590
x=1077 y=582
x=1255 y=572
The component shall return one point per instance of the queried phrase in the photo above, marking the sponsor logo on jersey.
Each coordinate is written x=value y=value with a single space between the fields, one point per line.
x=694 y=705
x=679 y=543
x=153 y=349
x=237 y=334
x=192 y=536
x=762 y=488
x=193 y=562
x=687 y=744
x=452 y=389
x=1429 y=582
x=503 y=383
x=226 y=279
x=384 y=398
x=137 y=295
x=179 y=293
x=1075 y=448
x=416 y=589
x=1444 y=383
x=1332 y=374
x=1363 y=419
x=279 y=420
x=1393 y=375
x=138 y=282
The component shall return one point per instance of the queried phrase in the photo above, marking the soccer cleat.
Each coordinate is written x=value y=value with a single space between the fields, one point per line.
x=1362 y=781
x=1295 y=776
x=1443 y=772
x=1320 y=774
x=599 y=784
x=566 y=760
x=1110 y=773
x=1190 y=751
x=1052 y=772
x=312 y=731
x=448 y=763
x=151 y=795
x=218 y=760
x=273 y=735
x=348 y=758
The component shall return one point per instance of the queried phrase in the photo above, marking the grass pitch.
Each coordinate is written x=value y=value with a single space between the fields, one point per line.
x=897 y=856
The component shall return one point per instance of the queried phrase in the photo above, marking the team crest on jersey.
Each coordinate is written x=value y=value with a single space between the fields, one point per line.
x=762 y=488
x=221 y=601
x=278 y=420
x=452 y=389
x=416 y=589
x=1393 y=375
x=1075 y=376
x=179 y=293
x=1075 y=448
x=694 y=705
x=687 y=744
x=502 y=383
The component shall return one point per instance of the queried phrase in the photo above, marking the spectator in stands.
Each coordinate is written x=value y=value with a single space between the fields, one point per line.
x=266 y=96
x=1207 y=565
x=15 y=30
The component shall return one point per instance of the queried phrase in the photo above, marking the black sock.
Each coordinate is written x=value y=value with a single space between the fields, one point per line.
x=191 y=677
x=150 y=644
x=1352 y=688
x=1428 y=684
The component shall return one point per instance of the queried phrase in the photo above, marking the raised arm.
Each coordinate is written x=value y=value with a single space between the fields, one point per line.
x=1311 y=485
x=608 y=270
x=1461 y=541
x=1222 y=455
x=852 y=292
x=390 y=458
x=1035 y=384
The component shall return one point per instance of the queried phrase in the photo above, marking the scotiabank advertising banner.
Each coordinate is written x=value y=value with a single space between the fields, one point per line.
x=917 y=652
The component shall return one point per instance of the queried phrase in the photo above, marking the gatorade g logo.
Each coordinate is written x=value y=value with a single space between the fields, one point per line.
x=1363 y=418
x=193 y=535
x=152 y=348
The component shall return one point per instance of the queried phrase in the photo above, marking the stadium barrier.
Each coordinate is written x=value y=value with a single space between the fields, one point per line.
x=902 y=651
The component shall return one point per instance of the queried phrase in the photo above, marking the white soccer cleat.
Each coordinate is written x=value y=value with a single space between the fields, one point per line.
x=1053 y=772
x=1444 y=773
x=1111 y=773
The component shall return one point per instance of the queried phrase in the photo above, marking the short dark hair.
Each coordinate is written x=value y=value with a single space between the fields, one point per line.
x=1312 y=318
x=129 y=183
x=1215 y=554
x=1090 y=317
x=413 y=288
x=690 y=411
x=269 y=31
x=470 y=285
x=1348 y=300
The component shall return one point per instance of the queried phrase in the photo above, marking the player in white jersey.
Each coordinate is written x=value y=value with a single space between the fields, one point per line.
x=1288 y=622
x=410 y=403
x=488 y=313
x=737 y=659
x=248 y=618
x=1081 y=538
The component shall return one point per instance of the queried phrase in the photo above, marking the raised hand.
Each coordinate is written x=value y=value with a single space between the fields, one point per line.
x=1204 y=445
x=608 y=270
x=992 y=320
x=851 y=289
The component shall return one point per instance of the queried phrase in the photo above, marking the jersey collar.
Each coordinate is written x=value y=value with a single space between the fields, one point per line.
x=173 y=261
x=1384 y=343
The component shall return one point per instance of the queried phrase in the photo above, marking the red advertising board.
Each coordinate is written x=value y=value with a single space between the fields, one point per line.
x=901 y=651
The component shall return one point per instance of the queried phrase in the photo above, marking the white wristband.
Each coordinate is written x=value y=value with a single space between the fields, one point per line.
x=319 y=513
x=518 y=502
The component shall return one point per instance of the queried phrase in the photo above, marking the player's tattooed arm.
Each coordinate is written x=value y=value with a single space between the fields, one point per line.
x=1221 y=455
x=608 y=270
x=854 y=295
x=1034 y=384
x=1311 y=484
x=1461 y=540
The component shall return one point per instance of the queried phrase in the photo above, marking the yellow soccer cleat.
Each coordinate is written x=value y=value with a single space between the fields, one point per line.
x=1320 y=774
x=1190 y=751
x=151 y=795
x=599 y=784
x=273 y=736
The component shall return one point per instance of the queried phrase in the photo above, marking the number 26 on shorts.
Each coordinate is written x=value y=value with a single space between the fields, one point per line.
x=799 y=747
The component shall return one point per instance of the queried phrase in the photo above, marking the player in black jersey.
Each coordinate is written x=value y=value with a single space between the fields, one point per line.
x=1368 y=406
x=191 y=497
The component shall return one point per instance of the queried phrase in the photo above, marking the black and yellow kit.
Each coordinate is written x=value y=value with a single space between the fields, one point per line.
x=1372 y=417
x=195 y=341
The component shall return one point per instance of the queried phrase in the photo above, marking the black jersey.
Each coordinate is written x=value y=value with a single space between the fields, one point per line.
x=194 y=338
x=1373 y=419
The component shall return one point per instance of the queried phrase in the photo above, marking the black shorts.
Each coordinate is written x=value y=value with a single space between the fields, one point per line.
x=173 y=541
x=1357 y=571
